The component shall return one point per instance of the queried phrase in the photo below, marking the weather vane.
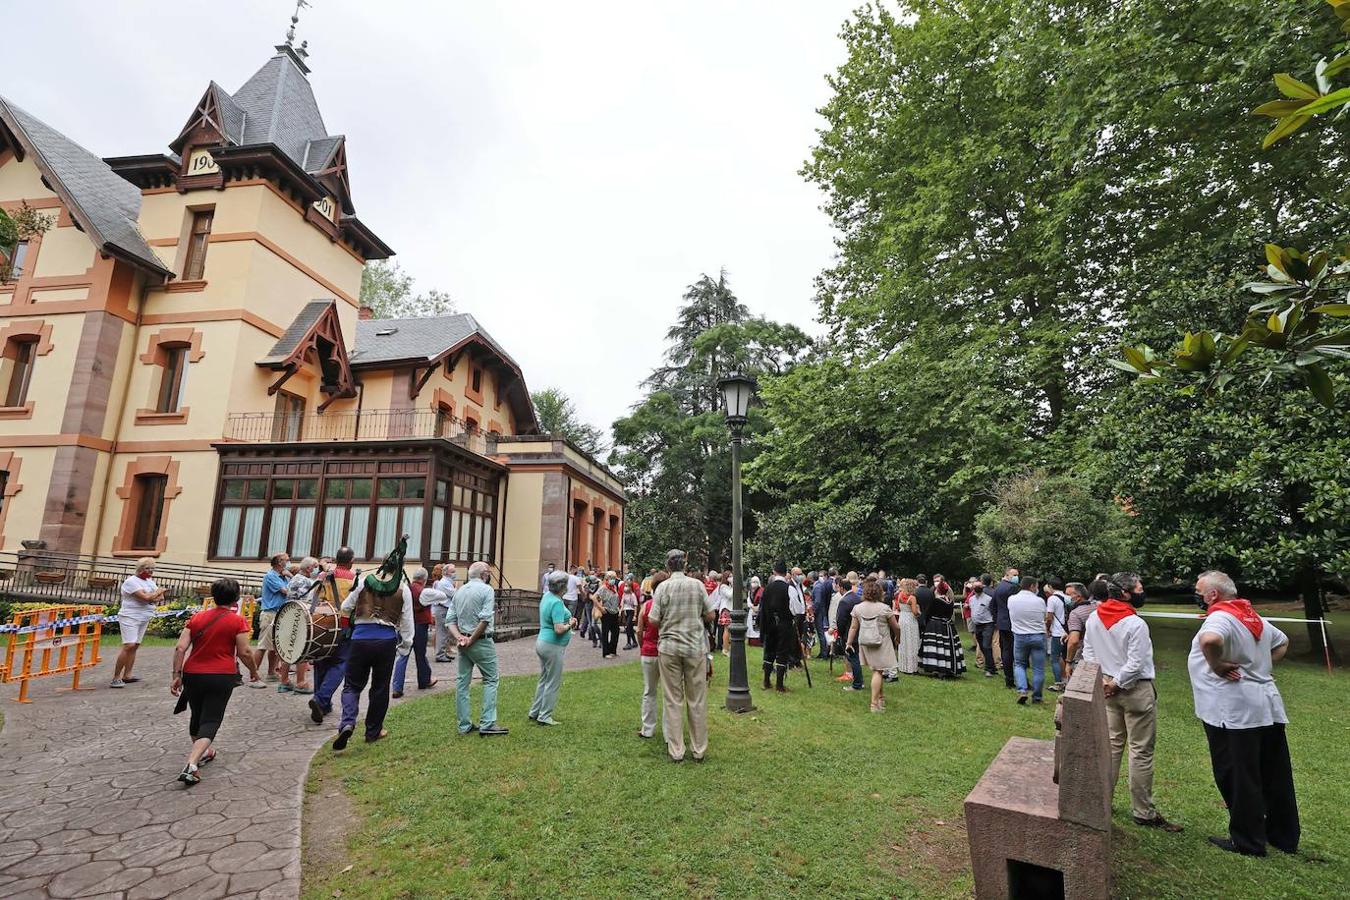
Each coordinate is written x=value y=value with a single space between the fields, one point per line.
x=295 y=20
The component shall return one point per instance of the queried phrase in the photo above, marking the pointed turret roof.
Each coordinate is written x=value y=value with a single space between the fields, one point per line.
x=279 y=108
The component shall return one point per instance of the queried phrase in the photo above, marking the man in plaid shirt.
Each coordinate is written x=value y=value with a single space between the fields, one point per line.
x=680 y=610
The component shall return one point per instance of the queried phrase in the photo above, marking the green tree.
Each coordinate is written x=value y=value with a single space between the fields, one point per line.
x=673 y=449
x=1052 y=524
x=1294 y=332
x=388 y=291
x=558 y=415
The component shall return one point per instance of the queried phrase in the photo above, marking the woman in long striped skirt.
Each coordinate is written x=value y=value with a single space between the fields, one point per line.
x=940 y=651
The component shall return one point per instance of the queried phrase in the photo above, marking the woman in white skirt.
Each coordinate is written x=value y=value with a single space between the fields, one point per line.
x=907 y=610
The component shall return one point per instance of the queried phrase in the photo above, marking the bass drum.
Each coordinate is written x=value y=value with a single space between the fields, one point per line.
x=302 y=637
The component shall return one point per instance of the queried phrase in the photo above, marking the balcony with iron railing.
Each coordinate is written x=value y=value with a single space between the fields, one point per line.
x=353 y=425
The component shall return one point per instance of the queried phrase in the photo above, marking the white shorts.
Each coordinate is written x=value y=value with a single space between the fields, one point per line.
x=133 y=628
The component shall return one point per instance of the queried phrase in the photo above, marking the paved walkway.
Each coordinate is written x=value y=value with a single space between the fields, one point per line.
x=90 y=806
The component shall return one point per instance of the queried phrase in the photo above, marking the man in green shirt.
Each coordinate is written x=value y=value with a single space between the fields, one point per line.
x=471 y=628
x=679 y=611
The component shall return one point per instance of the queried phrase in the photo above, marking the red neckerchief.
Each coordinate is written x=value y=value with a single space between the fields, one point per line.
x=1242 y=611
x=1112 y=611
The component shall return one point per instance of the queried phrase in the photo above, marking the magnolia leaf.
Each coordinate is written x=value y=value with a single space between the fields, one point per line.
x=1319 y=383
x=1338 y=65
x=1337 y=340
x=1275 y=324
x=1278 y=109
x=1330 y=101
x=1275 y=256
x=1293 y=88
x=1320 y=73
x=1234 y=350
x=1266 y=287
x=1337 y=310
x=1286 y=127
x=1123 y=366
x=1136 y=359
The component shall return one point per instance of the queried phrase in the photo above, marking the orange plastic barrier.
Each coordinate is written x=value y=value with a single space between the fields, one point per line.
x=56 y=640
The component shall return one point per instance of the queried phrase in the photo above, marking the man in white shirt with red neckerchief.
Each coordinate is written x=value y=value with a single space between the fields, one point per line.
x=1235 y=696
x=1117 y=639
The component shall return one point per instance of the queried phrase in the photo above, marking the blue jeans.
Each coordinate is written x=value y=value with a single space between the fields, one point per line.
x=483 y=654
x=855 y=663
x=1029 y=650
x=822 y=627
x=373 y=662
x=419 y=650
x=1057 y=658
x=328 y=675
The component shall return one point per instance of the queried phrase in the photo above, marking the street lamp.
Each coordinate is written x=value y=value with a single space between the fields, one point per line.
x=737 y=391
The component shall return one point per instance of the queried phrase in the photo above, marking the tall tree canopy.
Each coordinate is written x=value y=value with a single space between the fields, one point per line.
x=1017 y=185
x=673 y=449
x=558 y=415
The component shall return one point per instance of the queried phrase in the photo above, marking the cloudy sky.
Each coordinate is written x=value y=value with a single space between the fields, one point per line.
x=563 y=170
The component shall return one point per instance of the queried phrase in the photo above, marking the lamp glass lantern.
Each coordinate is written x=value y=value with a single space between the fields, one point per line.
x=737 y=391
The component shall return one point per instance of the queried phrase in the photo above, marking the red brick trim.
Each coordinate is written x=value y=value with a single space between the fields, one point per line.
x=145 y=465
x=9 y=462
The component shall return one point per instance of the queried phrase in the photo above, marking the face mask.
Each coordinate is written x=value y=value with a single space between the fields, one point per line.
x=1200 y=600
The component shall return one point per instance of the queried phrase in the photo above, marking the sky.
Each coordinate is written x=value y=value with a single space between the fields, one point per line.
x=563 y=170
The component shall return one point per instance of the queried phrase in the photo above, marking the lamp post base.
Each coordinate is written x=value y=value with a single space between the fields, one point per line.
x=738 y=685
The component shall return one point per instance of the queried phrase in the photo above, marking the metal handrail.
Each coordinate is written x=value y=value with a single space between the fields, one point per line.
x=58 y=576
x=352 y=425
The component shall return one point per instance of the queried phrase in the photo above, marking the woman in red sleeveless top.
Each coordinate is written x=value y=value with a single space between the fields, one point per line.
x=216 y=638
x=651 y=671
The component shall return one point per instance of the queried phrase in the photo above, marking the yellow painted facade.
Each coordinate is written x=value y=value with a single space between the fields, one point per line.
x=104 y=335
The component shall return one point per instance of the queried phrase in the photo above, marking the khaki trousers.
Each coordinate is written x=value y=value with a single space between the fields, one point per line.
x=1131 y=717
x=684 y=682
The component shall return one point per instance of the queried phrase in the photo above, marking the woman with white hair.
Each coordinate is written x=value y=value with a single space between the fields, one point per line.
x=139 y=596
x=423 y=598
x=555 y=631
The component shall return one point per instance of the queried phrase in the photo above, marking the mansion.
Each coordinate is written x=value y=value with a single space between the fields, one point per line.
x=186 y=371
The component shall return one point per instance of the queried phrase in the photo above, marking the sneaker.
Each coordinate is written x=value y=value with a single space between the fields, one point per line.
x=117 y=683
x=470 y=730
x=316 y=712
x=302 y=690
x=396 y=695
x=1021 y=698
x=848 y=688
x=493 y=730
x=990 y=674
x=285 y=687
x=189 y=775
x=372 y=738
x=1056 y=687
x=257 y=685
x=130 y=680
x=209 y=755
x=548 y=722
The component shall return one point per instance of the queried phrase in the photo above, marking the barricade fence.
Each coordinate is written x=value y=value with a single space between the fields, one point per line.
x=57 y=640
x=1197 y=616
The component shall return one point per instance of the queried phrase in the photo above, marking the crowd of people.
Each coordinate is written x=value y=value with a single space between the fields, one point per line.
x=1033 y=631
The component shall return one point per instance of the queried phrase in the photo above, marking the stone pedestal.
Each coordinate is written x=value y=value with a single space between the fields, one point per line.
x=1039 y=820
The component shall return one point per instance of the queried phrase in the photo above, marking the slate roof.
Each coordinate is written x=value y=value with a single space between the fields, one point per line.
x=279 y=108
x=418 y=338
x=104 y=204
x=295 y=333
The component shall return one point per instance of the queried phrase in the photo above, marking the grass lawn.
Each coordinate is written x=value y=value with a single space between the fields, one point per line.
x=809 y=795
